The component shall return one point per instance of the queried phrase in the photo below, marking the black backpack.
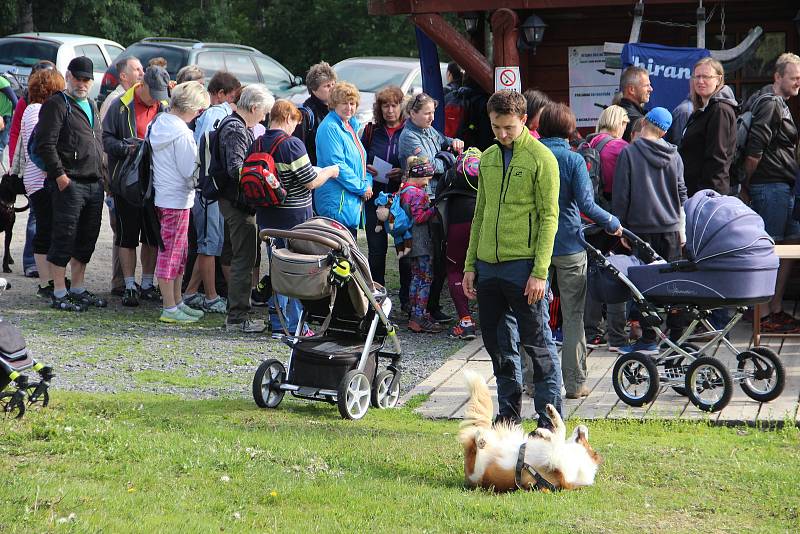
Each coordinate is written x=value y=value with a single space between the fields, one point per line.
x=134 y=180
x=212 y=176
x=591 y=155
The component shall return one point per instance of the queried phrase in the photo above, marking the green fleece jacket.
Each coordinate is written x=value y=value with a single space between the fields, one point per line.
x=516 y=212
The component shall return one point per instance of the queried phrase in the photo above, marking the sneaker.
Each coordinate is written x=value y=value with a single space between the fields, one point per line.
x=177 y=317
x=218 y=305
x=190 y=311
x=152 y=293
x=248 y=326
x=66 y=303
x=641 y=347
x=46 y=291
x=195 y=301
x=259 y=296
x=440 y=317
x=31 y=272
x=613 y=348
x=463 y=330
x=87 y=299
x=130 y=298
x=594 y=343
x=426 y=325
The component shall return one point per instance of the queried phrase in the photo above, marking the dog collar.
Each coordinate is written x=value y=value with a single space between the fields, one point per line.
x=540 y=484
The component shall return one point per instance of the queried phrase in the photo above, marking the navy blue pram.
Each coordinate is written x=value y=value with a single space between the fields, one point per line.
x=730 y=262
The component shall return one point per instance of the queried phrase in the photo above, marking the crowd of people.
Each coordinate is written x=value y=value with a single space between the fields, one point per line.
x=497 y=225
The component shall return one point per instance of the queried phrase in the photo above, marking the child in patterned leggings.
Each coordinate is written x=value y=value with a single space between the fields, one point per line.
x=415 y=200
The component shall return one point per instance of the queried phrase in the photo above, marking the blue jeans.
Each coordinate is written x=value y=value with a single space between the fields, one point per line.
x=28 y=263
x=775 y=203
x=4 y=134
x=500 y=288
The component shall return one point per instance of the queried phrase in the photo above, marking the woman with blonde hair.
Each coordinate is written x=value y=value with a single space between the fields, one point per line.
x=337 y=143
x=709 y=141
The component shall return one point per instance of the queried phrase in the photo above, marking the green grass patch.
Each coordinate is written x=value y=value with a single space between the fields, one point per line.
x=179 y=379
x=146 y=463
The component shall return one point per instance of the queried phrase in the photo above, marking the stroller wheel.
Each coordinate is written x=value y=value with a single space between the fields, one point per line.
x=708 y=384
x=383 y=395
x=266 y=384
x=635 y=379
x=353 y=395
x=11 y=405
x=762 y=374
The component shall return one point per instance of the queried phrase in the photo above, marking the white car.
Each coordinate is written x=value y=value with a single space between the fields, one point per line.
x=371 y=74
x=22 y=50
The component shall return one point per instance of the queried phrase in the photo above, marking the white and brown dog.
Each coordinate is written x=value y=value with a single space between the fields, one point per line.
x=503 y=458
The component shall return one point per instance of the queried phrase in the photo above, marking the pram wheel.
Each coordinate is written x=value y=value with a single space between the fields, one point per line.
x=382 y=396
x=635 y=379
x=708 y=384
x=11 y=405
x=761 y=373
x=266 y=384
x=353 y=395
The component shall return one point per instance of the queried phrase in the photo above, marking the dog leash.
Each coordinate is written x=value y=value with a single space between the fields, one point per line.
x=541 y=483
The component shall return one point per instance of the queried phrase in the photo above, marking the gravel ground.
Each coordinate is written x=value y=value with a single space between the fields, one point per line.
x=120 y=349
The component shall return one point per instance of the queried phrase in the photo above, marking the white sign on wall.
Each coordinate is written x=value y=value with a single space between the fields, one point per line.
x=507 y=78
x=591 y=84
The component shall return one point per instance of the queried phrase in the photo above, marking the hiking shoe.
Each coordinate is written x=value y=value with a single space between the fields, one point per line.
x=190 y=311
x=177 y=317
x=440 y=317
x=46 y=291
x=66 y=303
x=130 y=298
x=152 y=293
x=640 y=347
x=259 y=296
x=594 y=343
x=218 y=305
x=195 y=301
x=426 y=325
x=249 y=326
x=463 y=330
x=87 y=299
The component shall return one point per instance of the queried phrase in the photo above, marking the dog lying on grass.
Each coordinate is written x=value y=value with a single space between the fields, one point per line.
x=502 y=458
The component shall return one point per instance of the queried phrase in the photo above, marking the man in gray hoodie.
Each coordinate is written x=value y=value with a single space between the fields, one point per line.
x=651 y=208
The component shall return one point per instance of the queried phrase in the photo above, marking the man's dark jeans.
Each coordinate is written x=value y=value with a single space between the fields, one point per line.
x=500 y=288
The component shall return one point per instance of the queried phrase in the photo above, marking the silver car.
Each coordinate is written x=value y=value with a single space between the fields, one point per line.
x=371 y=74
x=22 y=50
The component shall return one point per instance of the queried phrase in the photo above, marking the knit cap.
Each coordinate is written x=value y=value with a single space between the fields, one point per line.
x=660 y=118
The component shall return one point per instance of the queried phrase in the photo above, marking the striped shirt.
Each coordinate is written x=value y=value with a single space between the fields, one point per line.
x=32 y=176
x=294 y=168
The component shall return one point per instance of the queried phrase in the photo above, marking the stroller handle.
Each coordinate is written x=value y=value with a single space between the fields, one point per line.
x=291 y=234
x=633 y=238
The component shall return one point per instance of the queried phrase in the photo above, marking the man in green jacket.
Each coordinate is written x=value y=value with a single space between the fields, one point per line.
x=510 y=245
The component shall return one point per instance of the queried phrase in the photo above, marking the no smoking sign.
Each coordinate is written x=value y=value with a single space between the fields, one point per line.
x=507 y=78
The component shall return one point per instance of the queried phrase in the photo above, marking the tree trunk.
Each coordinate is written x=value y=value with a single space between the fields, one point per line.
x=25 y=15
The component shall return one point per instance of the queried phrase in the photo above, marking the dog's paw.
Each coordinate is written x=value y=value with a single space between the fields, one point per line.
x=6 y=269
x=542 y=433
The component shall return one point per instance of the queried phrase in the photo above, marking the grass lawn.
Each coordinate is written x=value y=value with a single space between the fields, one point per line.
x=146 y=463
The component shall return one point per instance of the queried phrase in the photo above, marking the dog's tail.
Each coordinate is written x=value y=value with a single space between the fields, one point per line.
x=479 y=407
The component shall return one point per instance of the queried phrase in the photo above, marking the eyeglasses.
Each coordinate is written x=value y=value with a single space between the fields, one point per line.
x=705 y=77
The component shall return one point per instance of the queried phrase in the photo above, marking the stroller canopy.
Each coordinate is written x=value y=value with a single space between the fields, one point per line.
x=722 y=233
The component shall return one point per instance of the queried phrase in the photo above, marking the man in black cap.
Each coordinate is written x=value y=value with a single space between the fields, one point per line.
x=124 y=126
x=69 y=143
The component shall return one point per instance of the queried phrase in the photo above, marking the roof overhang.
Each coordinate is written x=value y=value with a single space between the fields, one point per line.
x=407 y=7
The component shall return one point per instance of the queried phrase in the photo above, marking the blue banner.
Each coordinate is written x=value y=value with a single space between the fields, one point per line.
x=431 y=75
x=670 y=70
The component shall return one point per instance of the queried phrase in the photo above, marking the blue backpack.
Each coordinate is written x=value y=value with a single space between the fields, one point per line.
x=33 y=142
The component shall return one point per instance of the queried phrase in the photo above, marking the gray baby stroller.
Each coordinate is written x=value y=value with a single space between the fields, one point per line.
x=730 y=264
x=323 y=268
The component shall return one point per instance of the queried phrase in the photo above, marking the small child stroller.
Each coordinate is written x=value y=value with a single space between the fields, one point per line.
x=14 y=359
x=323 y=268
x=730 y=263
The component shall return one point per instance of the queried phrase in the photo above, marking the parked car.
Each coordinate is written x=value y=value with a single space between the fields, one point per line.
x=22 y=50
x=246 y=63
x=371 y=74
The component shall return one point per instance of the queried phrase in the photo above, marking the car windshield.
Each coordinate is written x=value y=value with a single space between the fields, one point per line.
x=176 y=58
x=371 y=77
x=26 y=52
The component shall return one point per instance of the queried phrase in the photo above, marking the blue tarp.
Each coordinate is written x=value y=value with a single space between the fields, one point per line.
x=431 y=75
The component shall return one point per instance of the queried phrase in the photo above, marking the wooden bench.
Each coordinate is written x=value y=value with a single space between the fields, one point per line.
x=787 y=252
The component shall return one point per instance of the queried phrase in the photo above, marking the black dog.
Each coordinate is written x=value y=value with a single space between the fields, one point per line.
x=9 y=189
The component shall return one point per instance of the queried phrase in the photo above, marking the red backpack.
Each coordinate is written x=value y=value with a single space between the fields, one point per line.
x=258 y=180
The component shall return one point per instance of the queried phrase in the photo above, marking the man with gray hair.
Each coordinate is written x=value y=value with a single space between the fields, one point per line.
x=320 y=81
x=635 y=91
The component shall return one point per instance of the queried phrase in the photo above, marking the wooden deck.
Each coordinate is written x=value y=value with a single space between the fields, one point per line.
x=448 y=393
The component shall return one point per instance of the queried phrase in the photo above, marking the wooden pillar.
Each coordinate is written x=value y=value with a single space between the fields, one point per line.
x=505 y=25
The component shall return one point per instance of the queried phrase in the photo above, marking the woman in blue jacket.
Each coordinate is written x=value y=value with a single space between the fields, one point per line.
x=337 y=143
x=575 y=196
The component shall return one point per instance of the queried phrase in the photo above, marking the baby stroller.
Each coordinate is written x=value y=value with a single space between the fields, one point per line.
x=14 y=359
x=730 y=264
x=323 y=268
